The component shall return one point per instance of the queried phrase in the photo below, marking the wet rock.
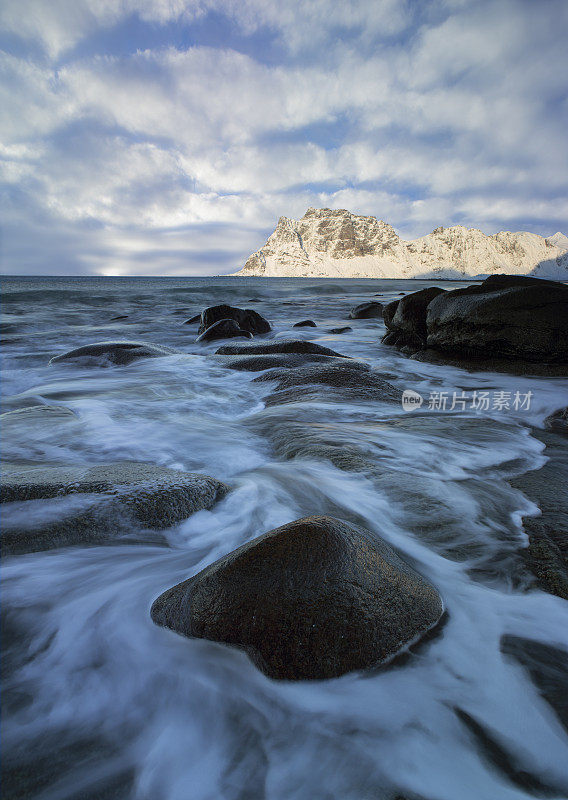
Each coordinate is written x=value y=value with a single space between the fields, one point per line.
x=558 y=421
x=223 y=329
x=257 y=363
x=507 y=317
x=247 y=319
x=512 y=367
x=116 y=319
x=368 y=310
x=120 y=352
x=152 y=496
x=280 y=346
x=193 y=320
x=313 y=599
x=547 y=553
x=37 y=413
x=406 y=318
x=306 y=323
x=548 y=668
x=345 y=329
x=343 y=381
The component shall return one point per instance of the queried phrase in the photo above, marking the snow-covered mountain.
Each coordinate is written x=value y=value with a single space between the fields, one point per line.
x=336 y=243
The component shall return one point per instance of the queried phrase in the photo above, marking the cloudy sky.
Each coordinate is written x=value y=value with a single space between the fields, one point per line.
x=166 y=137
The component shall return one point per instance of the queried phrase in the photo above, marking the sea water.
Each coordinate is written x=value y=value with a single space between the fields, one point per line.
x=101 y=703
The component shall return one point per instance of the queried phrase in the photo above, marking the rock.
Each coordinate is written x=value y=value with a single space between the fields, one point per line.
x=343 y=381
x=280 y=346
x=193 y=320
x=558 y=421
x=38 y=413
x=345 y=329
x=271 y=360
x=223 y=329
x=313 y=599
x=368 y=310
x=406 y=318
x=307 y=323
x=548 y=668
x=247 y=319
x=507 y=317
x=547 y=553
x=122 y=353
x=116 y=319
x=153 y=496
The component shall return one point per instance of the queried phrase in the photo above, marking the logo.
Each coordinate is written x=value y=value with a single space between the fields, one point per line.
x=411 y=400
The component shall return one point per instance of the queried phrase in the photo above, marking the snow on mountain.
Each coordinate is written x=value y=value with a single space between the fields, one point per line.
x=335 y=243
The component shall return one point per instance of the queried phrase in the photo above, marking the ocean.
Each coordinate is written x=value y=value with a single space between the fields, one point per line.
x=101 y=703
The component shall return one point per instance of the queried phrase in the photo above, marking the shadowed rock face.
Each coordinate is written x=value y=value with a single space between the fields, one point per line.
x=504 y=317
x=367 y=310
x=406 y=318
x=153 y=496
x=247 y=319
x=223 y=329
x=313 y=599
x=114 y=352
x=290 y=346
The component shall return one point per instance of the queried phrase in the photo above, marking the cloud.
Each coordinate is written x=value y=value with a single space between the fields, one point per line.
x=423 y=114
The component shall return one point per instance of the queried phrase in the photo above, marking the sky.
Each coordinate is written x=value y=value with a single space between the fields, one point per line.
x=166 y=137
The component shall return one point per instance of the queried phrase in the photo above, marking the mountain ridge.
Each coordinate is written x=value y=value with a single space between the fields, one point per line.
x=337 y=243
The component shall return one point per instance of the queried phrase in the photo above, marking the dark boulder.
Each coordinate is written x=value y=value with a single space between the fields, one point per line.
x=247 y=319
x=223 y=329
x=257 y=363
x=345 y=329
x=313 y=599
x=280 y=346
x=192 y=320
x=505 y=317
x=306 y=323
x=369 y=310
x=406 y=318
x=558 y=421
x=151 y=496
x=121 y=353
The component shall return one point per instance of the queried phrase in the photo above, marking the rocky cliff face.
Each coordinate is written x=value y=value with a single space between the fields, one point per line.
x=336 y=243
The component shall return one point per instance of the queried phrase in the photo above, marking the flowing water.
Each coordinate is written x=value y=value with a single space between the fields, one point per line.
x=101 y=703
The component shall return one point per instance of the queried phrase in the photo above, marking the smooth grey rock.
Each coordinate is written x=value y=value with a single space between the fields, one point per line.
x=119 y=352
x=313 y=599
x=155 y=497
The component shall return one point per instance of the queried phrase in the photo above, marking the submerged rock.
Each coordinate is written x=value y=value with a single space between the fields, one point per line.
x=367 y=310
x=153 y=496
x=342 y=381
x=247 y=319
x=114 y=352
x=280 y=346
x=257 y=363
x=306 y=323
x=313 y=599
x=558 y=421
x=223 y=329
x=344 y=329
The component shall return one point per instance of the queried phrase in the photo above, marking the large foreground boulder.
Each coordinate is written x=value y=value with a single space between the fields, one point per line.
x=405 y=319
x=313 y=599
x=119 y=352
x=368 y=310
x=223 y=329
x=509 y=317
x=247 y=319
x=107 y=498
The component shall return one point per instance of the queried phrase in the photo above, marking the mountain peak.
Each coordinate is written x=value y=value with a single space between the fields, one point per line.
x=329 y=242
